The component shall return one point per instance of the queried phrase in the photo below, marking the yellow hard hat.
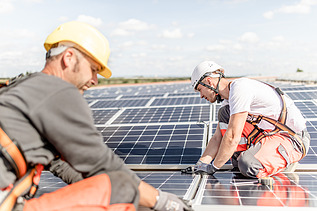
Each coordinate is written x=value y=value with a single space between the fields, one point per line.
x=88 y=38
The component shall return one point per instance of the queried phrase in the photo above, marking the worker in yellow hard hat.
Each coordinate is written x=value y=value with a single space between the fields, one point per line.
x=46 y=123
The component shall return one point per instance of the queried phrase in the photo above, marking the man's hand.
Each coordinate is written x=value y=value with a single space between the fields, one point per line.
x=200 y=168
x=170 y=202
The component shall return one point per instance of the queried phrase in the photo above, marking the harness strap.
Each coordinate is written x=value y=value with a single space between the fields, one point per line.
x=18 y=189
x=28 y=180
x=257 y=133
x=13 y=154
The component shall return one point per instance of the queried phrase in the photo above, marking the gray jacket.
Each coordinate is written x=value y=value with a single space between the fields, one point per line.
x=48 y=117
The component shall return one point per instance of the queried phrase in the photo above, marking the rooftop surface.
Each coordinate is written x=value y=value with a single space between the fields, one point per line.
x=158 y=129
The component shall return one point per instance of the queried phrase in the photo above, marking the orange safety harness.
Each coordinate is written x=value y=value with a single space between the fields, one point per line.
x=257 y=133
x=28 y=177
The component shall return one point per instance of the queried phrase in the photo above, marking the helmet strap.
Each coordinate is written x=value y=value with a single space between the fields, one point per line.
x=216 y=90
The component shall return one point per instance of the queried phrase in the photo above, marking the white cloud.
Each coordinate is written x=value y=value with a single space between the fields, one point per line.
x=63 y=19
x=215 y=48
x=237 y=46
x=190 y=35
x=127 y=44
x=121 y=32
x=175 y=58
x=268 y=15
x=127 y=28
x=278 y=39
x=6 y=6
x=135 y=25
x=249 y=37
x=90 y=20
x=173 y=34
x=159 y=47
x=34 y=1
x=17 y=33
x=138 y=55
x=303 y=7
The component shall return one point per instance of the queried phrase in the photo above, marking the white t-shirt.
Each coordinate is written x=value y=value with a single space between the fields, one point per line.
x=258 y=98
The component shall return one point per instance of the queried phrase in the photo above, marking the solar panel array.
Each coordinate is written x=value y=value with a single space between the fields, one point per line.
x=161 y=127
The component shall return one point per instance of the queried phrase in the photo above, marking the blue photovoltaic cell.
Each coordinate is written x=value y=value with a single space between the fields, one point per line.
x=156 y=144
x=173 y=182
x=307 y=108
x=164 y=114
x=119 y=103
x=303 y=95
x=311 y=157
x=178 y=101
x=141 y=96
x=288 y=190
x=102 y=116
x=183 y=94
x=292 y=87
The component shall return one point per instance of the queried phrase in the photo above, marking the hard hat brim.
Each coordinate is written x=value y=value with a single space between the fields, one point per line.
x=105 y=72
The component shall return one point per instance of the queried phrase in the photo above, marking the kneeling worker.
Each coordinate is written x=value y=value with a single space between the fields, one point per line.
x=259 y=129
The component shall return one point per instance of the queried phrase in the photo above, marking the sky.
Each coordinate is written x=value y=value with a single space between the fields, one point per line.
x=168 y=38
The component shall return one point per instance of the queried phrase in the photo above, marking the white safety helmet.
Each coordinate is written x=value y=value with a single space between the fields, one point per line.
x=206 y=68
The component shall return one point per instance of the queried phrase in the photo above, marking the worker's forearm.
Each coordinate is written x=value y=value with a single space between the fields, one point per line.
x=230 y=139
x=212 y=147
x=226 y=150
x=147 y=194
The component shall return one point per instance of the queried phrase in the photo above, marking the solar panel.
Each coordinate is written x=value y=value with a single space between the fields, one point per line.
x=166 y=126
x=103 y=116
x=183 y=94
x=170 y=144
x=307 y=108
x=119 y=103
x=173 y=182
x=233 y=191
x=303 y=95
x=181 y=185
x=141 y=96
x=164 y=114
x=178 y=101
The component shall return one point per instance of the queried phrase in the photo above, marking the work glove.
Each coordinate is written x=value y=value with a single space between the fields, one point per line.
x=170 y=202
x=200 y=168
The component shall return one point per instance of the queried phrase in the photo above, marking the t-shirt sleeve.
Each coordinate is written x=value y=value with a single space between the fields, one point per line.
x=240 y=97
x=65 y=120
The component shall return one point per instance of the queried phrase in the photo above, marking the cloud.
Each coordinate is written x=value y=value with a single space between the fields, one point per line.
x=173 y=34
x=17 y=34
x=215 y=48
x=303 y=7
x=268 y=15
x=90 y=20
x=158 y=47
x=190 y=35
x=249 y=37
x=135 y=25
x=6 y=6
x=63 y=19
x=121 y=32
x=129 y=44
x=129 y=27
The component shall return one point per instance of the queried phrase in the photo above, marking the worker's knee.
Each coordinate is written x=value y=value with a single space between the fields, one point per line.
x=224 y=114
x=123 y=188
x=248 y=165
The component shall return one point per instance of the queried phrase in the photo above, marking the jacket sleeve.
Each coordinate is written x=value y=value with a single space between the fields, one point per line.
x=65 y=120
x=64 y=171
